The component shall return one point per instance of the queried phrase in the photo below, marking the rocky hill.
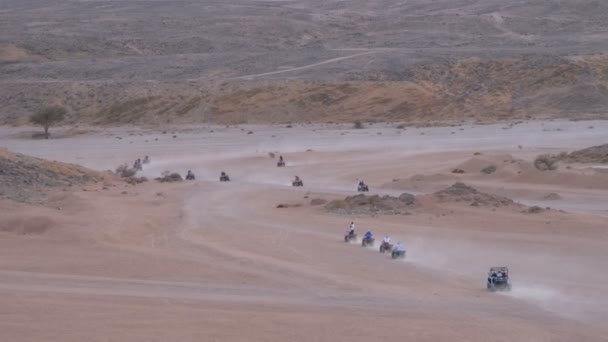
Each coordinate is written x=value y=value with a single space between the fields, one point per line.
x=28 y=179
x=303 y=60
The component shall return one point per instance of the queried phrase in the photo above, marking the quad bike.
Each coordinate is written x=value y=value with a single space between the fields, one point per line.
x=397 y=254
x=363 y=188
x=385 y=247
x=280 y=163
x=367 y=242
x=297 y=182
x=224 y=178
x=498 y=279
x=350 y=237
x=146 y=160
x=190 y=176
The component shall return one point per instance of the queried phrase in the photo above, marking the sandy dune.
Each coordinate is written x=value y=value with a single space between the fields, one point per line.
x=215 y=261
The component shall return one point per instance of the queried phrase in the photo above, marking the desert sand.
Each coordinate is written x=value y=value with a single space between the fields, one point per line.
x=211 y=261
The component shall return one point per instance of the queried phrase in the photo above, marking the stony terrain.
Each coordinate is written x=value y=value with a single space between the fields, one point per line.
x=28 y=179
x=153 y=62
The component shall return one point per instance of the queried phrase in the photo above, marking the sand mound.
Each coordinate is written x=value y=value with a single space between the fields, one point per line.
x=462 y=193
x=26 y=179
x=375 y=204
x=422 y=183
x=594 y=154
x=35 y=225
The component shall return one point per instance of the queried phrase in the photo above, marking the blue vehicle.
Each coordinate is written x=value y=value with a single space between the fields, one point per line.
x=368 y=239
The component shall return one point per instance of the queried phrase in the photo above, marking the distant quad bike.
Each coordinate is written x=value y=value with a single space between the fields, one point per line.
x=385 y=247
x=367 y=242
x=224 y=177
x=350 y=237
x=362 y=188
x=190 y=176
x=397 y=254
x=498 y=279
x=297 y=182
x=281 y=163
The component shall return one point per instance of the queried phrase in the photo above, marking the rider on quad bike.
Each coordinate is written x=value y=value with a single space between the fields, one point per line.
x=137 y=164
x=398 y=251
x=224 y=177
x=386 y=244
x=368 y=239
x=190 y=175
x=297 y=182
x=281 y=162
x=362 y=187
x=350 y=235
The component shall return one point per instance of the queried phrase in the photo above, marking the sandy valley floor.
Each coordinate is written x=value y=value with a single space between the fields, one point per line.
x=211 y=261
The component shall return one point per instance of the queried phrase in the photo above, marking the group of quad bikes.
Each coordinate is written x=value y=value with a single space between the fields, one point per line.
x=384 y=246
x=297 y=182
x=498 y=277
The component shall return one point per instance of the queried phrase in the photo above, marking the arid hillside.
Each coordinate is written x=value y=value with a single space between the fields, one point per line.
x=150 y=62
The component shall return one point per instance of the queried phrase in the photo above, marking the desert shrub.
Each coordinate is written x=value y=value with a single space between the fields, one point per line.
x=535 y=210
x=317 y=201
x=271 y=155
x=282 y=206
x=337 y=204
x=489 y=169
x=458 y=171
x=136 y=180
x=406 y=198
x=124 y=171
x=169 y=177
x=47 y=117
x=545 y=162
x=358 y=125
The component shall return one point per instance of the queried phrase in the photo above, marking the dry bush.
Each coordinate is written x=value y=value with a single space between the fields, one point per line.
x=546 y=162
x=282 y=206
x=458 y=171
x=535 y=210
x=337 y=204
x=358 y=125
x=136 y=180
x=317 y=201
x=271 y=155
x=124 y=171
x=489 y=169
x=168 y=177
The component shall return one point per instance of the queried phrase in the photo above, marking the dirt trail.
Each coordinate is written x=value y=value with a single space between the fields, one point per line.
x=219 y=259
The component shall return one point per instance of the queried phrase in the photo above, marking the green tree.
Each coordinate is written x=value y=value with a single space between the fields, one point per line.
x=47 y=117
